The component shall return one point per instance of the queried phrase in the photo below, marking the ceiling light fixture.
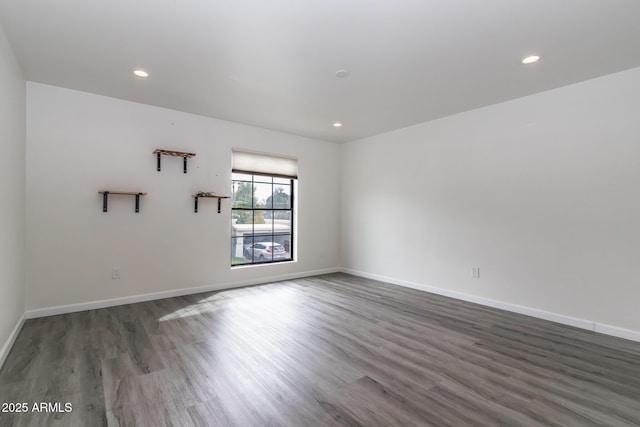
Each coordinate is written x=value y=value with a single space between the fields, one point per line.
x=337 y=125
x=530 y=59
x=141 y=73
x=342 y=74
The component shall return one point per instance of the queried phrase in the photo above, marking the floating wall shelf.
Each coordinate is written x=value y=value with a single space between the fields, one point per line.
x=159 y=153
x=208 y=196
x=105 y=197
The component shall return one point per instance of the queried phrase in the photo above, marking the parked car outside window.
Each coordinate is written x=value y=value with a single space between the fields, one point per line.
x=264 y=251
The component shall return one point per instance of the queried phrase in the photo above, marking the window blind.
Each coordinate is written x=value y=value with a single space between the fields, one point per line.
x=264 y=164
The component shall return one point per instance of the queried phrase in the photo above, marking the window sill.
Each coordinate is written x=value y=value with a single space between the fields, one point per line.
x=262 y=264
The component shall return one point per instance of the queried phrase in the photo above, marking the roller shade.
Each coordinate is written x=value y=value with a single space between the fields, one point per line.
x=264 y=164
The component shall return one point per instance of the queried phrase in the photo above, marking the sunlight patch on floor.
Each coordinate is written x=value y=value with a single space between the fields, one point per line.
x=282 y=301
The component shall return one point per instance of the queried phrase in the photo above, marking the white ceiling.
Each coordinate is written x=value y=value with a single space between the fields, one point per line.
x=272 y=63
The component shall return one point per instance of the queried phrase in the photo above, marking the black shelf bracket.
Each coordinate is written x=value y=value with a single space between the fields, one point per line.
x=208 y=196
x=182 y=154
x=105 y=198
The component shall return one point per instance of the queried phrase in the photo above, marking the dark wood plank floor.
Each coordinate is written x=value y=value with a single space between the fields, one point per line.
x=322 y=351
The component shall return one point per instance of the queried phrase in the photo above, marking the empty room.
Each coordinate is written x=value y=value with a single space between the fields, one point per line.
x=320 y=213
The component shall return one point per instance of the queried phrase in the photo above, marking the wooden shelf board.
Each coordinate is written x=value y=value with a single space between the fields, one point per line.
x=128 y=193
x=174 y=153
x=211 y=197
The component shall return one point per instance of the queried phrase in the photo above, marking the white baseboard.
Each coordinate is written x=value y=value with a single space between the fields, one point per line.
x=92 y=305
x=6 y=348
x=615 y=331
x=529 y=311
x=515 y=308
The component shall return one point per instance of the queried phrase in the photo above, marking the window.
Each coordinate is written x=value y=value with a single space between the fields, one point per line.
x=262 y=214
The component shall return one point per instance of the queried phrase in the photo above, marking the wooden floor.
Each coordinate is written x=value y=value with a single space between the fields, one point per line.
x=327 y=350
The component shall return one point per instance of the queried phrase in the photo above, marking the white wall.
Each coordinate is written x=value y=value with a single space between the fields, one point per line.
x=542 y=193
x=12 y=187
x=79 y=143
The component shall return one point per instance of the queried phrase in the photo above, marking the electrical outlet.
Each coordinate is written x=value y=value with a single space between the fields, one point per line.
x=115 y=272
x=475 y=272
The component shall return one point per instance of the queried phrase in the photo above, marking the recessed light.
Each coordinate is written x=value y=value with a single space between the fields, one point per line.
x=530 y=59
x=141 y=73
x=337 y=125
x=342 y=74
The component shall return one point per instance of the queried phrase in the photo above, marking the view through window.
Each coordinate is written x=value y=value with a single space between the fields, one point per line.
x=262 y=219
